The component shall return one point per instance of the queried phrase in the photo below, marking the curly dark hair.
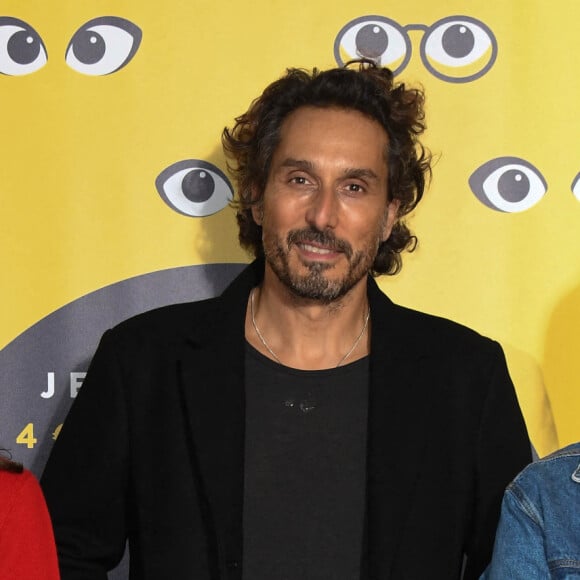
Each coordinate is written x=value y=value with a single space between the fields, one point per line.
x=367 y=88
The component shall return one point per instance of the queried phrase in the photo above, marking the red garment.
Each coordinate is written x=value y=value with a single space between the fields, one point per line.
x=27 y=550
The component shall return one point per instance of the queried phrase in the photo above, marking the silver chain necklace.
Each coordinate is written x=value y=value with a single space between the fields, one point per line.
x=275 y=356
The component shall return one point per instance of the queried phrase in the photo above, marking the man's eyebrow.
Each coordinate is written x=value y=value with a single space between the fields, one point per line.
x=355 y=172
x=297 y=163
x=361 y=173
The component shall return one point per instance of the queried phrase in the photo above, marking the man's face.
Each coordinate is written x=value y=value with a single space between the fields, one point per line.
x=325 y=208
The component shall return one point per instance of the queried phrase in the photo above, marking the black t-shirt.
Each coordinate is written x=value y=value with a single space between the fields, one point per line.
x=305 y=459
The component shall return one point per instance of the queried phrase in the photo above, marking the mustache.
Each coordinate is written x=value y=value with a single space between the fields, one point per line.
x=326 y=239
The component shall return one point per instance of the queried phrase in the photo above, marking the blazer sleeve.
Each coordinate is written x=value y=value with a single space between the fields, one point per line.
x=503 y=450
x=85 y=480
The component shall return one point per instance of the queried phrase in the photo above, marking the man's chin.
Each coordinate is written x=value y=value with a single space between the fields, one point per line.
x=317 y=287
x=315 y=267
x=316 y=280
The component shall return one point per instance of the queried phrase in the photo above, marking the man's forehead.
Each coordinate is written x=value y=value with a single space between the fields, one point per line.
x=310 y=127
x=316 y=112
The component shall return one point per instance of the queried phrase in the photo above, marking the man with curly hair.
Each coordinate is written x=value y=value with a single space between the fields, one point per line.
x=301 y=425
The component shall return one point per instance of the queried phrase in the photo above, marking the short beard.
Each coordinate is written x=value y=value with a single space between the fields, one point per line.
x=314 y=285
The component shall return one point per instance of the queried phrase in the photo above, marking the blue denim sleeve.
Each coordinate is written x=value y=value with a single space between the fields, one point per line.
x=519 y=552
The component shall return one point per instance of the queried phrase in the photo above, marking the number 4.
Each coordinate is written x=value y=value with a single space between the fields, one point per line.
x=26 y=436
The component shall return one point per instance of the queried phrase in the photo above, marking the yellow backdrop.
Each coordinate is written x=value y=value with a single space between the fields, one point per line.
x=107 y=106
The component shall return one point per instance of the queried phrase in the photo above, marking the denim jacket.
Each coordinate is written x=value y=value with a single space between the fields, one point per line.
x=539 y=530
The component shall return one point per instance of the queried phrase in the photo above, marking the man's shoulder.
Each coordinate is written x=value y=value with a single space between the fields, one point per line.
x=175 y=321
x=569 y=455
x=436 y=323
x=166 y=323
x=423 y=331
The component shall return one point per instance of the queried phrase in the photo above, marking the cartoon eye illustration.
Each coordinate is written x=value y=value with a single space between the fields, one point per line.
x=21 y=49
x=103 y=45
x=194 y=188
x=576 y=187
x=458 y=49
x=376 y=38
x=508 y=184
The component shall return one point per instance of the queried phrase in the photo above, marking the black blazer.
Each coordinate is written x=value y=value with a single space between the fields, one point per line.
x=153 y=448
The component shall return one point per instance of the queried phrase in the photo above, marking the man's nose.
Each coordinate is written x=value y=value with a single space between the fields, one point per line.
x=323 y=210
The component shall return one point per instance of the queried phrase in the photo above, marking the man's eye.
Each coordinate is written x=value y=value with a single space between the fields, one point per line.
x=354 y=188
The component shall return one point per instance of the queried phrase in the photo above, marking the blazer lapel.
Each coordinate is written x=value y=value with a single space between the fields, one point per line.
x=212 y=382
x=399 y=416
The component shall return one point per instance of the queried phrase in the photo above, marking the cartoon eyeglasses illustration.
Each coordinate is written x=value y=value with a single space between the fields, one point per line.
x=456 y=49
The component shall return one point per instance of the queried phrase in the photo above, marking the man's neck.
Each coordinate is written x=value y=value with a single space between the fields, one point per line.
x=307 y=334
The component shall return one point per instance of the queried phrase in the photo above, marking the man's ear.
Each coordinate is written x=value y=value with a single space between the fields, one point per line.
x=258 y=208
x=391 y=218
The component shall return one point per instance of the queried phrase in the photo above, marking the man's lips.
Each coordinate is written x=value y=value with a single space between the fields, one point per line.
x=313 y=243
x=314 y=252
x=316 y=249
